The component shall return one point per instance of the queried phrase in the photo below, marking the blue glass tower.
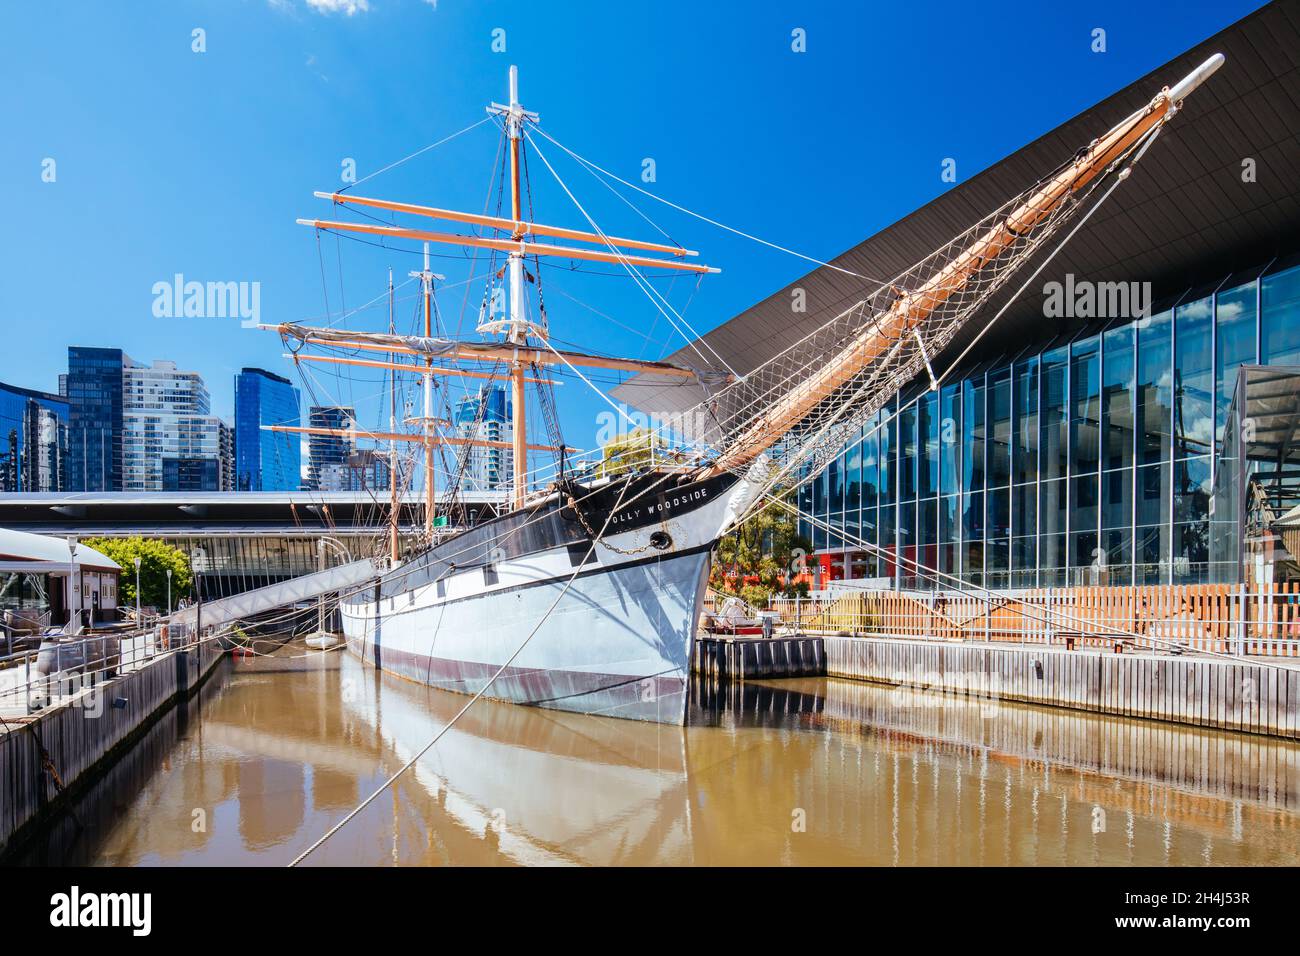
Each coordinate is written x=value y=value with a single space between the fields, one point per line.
x=94 y=419
x=33 y=440
x=265 y=461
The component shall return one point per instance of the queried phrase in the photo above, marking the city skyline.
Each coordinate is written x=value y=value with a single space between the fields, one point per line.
x=162 y=434
x=245 y=173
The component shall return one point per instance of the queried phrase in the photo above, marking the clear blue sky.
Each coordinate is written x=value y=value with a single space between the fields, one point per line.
x=173 y=161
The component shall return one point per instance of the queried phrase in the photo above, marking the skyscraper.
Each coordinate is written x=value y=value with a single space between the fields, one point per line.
x=191 y=474
x=226 y=450
x=266 y=461
x=485 y=416
x=365 y=470
x=94 y=386
x=166 y=415
x=126 y=419
x=328 y=450
x=33 y=440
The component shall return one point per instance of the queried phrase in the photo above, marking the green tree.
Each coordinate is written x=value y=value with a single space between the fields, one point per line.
x=766 y=545
x=155 y=559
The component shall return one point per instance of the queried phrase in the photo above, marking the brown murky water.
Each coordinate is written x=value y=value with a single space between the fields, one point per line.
x=276 y=750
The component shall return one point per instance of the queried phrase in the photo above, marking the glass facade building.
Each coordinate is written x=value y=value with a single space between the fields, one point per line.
x=191 y=474
x=166 y=417
x=266 y=461
x=1089 y=459
x=94 y=386
x=33 y=440
x=126 y=419
x=485 y=416
x=328 y=455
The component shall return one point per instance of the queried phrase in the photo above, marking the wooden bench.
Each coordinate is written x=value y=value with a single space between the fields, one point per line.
x=1073 y=639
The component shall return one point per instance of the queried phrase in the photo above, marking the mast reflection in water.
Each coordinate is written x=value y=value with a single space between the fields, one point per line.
x=276 y=750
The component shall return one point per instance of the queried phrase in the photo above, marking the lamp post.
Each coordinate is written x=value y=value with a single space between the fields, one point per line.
x=74 y=590
x=139 y=618
x=198 y=556
x=169 y=592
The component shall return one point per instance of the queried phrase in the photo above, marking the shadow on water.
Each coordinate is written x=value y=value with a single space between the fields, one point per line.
x=72 y=837
x=752 y=704
x=808 y=771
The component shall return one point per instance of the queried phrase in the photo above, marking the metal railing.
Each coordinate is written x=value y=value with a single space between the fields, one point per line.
x=62 y=668
x=1221 y=619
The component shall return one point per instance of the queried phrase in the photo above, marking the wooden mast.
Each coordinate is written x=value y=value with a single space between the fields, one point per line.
x=426 y=278
x=394 y=553
x=473 y=351
x=352 y=433
x=517 y=333
x=407 y=366
x=515 y=351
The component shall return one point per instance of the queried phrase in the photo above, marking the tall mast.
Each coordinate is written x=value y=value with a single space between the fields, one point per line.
x=516 y=326
x=393 y=553
x=514 y=124
x=426 y=278
x=523 y=342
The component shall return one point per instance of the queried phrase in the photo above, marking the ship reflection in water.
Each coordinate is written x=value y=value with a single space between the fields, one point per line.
x=794 y=772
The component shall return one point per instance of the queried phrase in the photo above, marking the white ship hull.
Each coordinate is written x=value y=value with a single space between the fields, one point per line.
x=610 y=636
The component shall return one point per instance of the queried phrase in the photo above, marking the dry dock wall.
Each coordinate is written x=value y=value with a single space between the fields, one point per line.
x=80 y=736
x=1256 y=698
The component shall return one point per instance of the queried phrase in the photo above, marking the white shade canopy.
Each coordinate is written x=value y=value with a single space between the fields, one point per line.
x=22 y=551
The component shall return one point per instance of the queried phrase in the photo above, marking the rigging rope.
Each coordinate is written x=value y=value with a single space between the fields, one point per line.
x=593 y=168
x=421 y=150
x=651 y=292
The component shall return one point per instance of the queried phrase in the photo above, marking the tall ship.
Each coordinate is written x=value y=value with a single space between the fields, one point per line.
x=584 y=592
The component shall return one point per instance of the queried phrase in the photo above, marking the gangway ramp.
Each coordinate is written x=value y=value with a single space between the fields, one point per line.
x=286 y=593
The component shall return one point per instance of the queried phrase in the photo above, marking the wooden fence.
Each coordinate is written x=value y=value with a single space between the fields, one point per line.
x=1209 y=617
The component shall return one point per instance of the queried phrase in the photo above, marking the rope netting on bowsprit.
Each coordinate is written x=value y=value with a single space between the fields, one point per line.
x=799 y=410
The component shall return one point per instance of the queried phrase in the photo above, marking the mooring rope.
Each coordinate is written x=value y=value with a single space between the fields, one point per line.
x=483 y=690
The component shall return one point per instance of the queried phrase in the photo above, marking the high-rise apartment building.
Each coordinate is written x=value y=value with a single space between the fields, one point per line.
x=485 y=416
x=328 y=450
x=166 y=415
